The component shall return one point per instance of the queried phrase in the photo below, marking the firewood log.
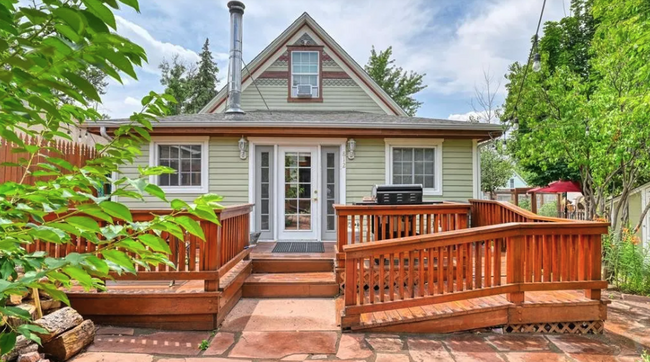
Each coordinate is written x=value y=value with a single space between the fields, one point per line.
x=69 y=343
x=58 y=322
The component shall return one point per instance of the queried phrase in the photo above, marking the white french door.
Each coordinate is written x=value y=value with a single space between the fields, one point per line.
x=299 y=216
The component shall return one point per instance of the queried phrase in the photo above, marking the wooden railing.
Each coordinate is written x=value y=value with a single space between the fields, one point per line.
x=193 y=259
x=490 y=212
x=471 y=263
x=368 y=223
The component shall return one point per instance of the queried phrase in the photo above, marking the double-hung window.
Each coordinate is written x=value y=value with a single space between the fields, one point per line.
x=189 y=161
x=415 y=163
x=305 y=72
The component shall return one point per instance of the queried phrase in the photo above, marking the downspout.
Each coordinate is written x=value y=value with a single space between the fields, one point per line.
x=103 y=133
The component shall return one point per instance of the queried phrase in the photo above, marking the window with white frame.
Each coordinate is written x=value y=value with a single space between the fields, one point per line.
x=305 y=72
x=188 y=159
x=415 y=163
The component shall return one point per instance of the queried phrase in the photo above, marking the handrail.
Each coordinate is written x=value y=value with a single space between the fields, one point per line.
x=490 y=212
x=464 y=264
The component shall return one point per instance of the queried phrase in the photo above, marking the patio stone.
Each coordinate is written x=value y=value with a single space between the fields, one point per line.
x=296 y=357
x=384 y=344
x=112 y=357
x=571 y=344
x=384 y=357
x=353 y=346
x=536 y=357
x=239 y=316
x=477 y=357
x=519 y=343
x=468 y=343
x=424 y=350
x=281 y=344
x=106 y=331
x=199 y=359
x=292 y=315
x=220 y=344
x=171 y=343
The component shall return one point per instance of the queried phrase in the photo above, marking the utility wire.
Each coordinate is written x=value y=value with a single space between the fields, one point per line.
x=523 y=81
x=256 y=87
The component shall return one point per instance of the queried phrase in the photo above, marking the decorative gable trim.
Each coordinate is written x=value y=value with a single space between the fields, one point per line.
x=305 y=40
x=272 y=51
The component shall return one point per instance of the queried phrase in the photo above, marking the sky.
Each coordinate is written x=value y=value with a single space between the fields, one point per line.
x=454 y=42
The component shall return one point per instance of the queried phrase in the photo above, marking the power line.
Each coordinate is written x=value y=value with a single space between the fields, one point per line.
x=256 y=87
x=536 y=39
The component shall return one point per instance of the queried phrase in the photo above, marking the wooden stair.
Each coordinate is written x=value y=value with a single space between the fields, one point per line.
x=291 y=278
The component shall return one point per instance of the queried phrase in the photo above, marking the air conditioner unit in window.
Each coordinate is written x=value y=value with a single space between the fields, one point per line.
x=304 y=91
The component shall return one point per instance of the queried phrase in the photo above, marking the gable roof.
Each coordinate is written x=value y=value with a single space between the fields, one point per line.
x=305 y=20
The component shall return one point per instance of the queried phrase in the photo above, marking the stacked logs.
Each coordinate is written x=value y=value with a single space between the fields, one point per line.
x=67 y=334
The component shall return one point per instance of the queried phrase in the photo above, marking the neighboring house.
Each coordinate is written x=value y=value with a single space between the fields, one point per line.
x=329 y=134
x=516 y=181
x=639 y=198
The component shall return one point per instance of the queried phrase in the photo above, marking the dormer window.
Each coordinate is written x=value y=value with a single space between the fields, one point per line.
x=305 y=74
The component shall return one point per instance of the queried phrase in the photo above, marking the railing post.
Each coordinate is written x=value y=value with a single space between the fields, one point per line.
x=212 y=249
x=515 y=257
x=595 y=256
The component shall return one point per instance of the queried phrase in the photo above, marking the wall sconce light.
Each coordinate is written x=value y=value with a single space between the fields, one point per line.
x=243 y=148
x=352 y=146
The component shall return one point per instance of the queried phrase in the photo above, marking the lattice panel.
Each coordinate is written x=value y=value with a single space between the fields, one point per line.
x=339 y=83
x=396 y=278
x=588 y=327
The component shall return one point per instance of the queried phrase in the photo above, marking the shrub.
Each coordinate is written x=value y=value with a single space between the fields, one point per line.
x=627 y=263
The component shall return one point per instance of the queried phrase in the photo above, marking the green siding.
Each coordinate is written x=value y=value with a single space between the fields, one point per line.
x=228 y=175
x=335 y=98
x=368 y=169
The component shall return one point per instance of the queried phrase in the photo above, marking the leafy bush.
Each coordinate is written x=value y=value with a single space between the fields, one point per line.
x=548 y=209
x=524 y=204
x=45 y=48
x=627 y=262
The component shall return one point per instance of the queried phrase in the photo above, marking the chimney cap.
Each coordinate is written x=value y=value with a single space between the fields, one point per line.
x=236 y=6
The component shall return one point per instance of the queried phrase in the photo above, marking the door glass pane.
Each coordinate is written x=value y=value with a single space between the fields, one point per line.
x=297 y=191
x=330 y=186
x=265 y=191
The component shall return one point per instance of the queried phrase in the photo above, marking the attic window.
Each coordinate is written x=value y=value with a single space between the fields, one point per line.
x=305 y=72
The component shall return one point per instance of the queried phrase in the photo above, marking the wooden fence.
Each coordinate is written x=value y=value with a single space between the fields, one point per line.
x=76 y=154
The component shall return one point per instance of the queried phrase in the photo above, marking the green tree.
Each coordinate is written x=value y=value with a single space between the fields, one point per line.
x=590 y=113
x=37 y=65
x=178 y=78
x=565 y=43
x=204 y=84
x=398 y=83
x=496 y=170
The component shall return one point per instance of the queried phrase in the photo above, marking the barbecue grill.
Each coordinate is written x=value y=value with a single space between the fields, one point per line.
x=397 y=194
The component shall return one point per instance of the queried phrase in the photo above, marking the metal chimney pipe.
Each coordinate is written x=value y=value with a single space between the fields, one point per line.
x=235 y=59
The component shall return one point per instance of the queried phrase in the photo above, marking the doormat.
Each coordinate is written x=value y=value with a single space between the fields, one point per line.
x=299 y=247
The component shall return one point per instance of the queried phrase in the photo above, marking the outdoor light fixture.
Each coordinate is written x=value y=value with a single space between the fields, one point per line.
x=243 y=148
x=537 y=62
x=352 y=146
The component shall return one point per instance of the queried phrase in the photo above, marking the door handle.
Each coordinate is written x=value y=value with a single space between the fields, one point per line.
x=315 y=198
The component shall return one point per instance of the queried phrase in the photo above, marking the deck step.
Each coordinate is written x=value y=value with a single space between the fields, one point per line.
x=291 y=285
x=298 y=265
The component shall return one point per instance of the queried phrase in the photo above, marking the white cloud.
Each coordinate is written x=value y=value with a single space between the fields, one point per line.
x=156 y=49
x=130 y=101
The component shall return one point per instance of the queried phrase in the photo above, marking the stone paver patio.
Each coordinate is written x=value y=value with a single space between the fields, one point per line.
x=305 y=330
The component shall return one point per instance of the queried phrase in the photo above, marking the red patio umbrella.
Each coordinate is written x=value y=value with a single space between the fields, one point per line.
x=558 y=187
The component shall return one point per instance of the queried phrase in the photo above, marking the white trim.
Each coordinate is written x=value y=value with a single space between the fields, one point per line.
x=476 y=170
x=289 y=141
x=317 y=74
x=204 y=141
x=251 y=183
x=435 y=143
x=278 y=142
